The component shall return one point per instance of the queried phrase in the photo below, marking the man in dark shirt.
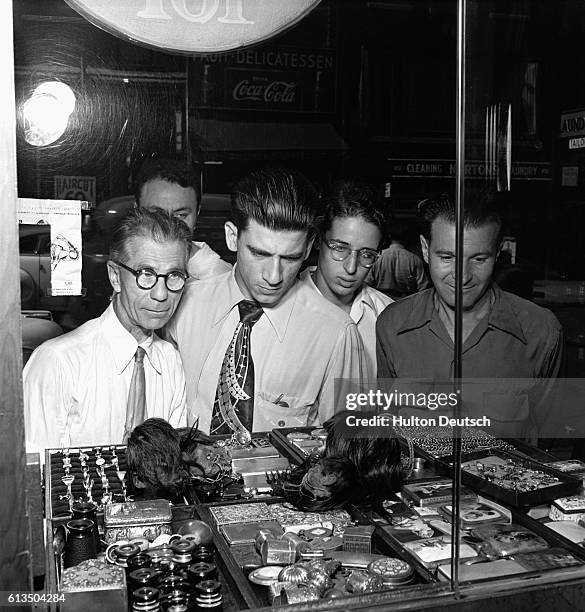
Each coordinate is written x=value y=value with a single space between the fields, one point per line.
x=504 y=336
x=398 y=272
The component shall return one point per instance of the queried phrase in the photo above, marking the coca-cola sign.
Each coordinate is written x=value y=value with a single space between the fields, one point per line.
x=272 y=92
x=194 y=26
x=278 y=90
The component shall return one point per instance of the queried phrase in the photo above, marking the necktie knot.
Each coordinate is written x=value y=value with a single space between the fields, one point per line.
x=139 y=355
x=250 y=311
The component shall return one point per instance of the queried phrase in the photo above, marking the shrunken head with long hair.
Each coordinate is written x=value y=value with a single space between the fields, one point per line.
x=355 y=467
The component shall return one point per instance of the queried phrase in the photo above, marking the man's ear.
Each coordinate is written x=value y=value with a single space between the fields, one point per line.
x=424 y=245
x=114 y=276
x=310 y=242
x=231 y=236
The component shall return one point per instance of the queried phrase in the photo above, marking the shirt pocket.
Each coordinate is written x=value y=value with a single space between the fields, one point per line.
x=289 y=411
x=506 y=407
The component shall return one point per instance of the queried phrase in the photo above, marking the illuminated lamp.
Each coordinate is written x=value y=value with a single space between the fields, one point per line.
x=46 y=113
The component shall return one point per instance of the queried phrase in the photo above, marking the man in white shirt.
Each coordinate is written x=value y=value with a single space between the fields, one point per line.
x=173 y=185
x=94 y=384
x=300 y=343
x=350 y=236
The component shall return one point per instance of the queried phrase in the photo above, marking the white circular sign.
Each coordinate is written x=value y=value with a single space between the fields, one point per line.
x=194 y=26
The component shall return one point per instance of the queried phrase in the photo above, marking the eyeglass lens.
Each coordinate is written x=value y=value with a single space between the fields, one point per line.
x=340 y=252
x=147 y=279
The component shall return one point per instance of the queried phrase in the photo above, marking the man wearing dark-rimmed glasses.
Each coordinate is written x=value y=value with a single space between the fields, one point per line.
x=93 y=385
x=351 y=231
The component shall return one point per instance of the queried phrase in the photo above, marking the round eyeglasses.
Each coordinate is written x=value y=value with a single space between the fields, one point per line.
x=340 y=252
x=147 y=278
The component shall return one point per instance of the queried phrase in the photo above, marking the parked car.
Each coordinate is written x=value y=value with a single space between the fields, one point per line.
x=215 y=210
x=34 y=243
x=35 y=276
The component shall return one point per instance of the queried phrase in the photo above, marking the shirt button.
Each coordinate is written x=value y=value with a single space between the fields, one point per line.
x=281 y=423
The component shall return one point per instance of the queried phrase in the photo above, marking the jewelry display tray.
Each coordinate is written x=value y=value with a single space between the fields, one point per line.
x=567 y=484
x=56 y=505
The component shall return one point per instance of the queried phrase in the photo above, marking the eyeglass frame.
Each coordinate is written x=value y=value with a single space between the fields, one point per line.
x=137 y=274
x=329 y=241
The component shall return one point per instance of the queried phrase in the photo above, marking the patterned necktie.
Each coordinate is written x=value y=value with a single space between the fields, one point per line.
x=136 y=408
x=233 y=409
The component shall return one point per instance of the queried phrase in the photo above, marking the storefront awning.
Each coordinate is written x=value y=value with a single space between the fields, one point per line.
x=214 y=136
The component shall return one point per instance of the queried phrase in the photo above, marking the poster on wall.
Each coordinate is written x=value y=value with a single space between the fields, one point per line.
x=64 y=219
x=75 y=188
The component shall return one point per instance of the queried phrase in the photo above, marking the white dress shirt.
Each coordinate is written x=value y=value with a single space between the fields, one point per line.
x=366 y=307
x=299 y=347
x=76 y=386
x=205 y=262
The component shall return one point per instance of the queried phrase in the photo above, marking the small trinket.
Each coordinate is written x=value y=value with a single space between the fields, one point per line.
x=320 y=580
x=262 y=536
x=278 y=552
x=391 y=571
x=299 y=594
x=294 y=574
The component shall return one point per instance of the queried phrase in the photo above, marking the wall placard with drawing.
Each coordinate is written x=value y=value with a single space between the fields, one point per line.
x=64 y=218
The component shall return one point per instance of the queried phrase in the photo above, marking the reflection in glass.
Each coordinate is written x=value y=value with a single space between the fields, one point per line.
x=46 y=113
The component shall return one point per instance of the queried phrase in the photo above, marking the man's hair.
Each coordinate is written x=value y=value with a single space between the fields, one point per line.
x=177 y=171
x=277 y=199
x=157 y=225
x=153 y=457
x=480 y=209
x=350 y=198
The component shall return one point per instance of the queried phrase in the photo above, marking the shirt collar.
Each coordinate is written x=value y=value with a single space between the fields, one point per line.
x=421 y=312
x=363 y=297
x=122 y=343
x=278 y=316
x=501 y=314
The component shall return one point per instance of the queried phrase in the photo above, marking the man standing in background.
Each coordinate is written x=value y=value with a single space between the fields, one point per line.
x=398 y=272
x=174 y=186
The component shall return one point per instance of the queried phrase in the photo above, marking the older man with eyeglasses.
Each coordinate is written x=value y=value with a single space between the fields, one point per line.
x=93 y=385
x=351 y=234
